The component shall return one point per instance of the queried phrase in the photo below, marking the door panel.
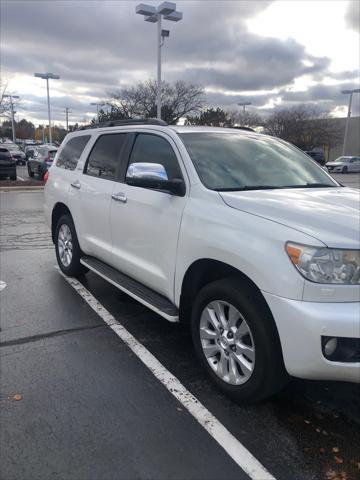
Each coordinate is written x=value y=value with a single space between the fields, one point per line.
x=145 y=225
x=90 y=195
x=145 y=232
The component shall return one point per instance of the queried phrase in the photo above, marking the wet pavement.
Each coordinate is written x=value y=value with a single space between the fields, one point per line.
x=88 y=408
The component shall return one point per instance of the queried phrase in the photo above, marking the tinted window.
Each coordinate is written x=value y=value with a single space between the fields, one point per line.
x=4 y=154
x=154 y=149
x=235 y=161
x=71 y=153
x=105 y=156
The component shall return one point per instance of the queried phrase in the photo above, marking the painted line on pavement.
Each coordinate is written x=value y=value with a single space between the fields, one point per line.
x=246 y=461
x=20 y=178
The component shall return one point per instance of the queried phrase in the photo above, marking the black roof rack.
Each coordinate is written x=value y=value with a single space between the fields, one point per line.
x=127 y=121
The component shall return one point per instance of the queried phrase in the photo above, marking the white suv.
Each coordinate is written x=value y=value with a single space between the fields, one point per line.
x=240 y=234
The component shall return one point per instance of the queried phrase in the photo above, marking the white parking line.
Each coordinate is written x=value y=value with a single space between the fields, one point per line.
x=224 y=438
x=20 y=178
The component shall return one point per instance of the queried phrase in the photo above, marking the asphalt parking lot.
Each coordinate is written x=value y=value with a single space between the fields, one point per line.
x=77 y=403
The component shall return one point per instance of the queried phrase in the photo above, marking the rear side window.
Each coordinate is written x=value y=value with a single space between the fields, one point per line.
x=104 y=158
x=71 y=153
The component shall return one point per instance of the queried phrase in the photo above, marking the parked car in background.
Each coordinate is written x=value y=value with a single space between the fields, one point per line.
x=344 y=165
x=17 y=154
x=30 y=151
x=43 y=159
x=317 y=156
x=230 y=230
x=7 y=164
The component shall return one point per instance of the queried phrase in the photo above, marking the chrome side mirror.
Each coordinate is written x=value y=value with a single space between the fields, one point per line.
x=143 y=171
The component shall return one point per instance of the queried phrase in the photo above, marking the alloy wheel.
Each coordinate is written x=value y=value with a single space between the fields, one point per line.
x=227 y=342
x=65 y=245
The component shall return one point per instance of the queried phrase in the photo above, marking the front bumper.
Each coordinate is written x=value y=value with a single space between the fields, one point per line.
x=335 y=169
x=302 y=324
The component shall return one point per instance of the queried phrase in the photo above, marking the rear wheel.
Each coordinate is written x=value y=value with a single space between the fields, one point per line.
x=236 y=341
x=68 y=252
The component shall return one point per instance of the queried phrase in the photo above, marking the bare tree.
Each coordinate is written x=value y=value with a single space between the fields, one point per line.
x=245 y=119
x=211 y=117
x=177 y=101
x=4 y=104
x=305 y=126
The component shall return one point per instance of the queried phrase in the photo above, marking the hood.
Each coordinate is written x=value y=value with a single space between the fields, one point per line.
x=329 y=214
x=335 y=164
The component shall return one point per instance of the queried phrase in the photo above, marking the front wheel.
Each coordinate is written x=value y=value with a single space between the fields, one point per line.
x=236 y=341
x=68 y=252
x=31 y=174
x=344 y=170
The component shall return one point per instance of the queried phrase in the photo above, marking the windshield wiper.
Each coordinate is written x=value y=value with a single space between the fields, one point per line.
x=311 y=185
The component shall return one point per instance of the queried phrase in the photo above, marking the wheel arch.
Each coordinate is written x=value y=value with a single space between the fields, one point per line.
x=207 y=270
x=58 y=210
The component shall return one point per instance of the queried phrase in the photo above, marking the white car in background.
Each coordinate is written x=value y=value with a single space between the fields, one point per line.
x=344 y=165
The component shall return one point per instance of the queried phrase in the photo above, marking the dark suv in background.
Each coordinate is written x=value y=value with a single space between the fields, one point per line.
x=317 y=156
x=7 y=164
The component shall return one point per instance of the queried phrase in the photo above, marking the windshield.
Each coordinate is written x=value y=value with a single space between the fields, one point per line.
x=234 y=161
x=342 y=159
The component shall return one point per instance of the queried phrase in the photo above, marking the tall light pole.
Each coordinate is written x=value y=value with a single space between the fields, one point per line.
x=244 y=104
x=166 y=10
x=67 y=111
x=46 y=77
x=11 y=97
x=348 y=92
x=98 y=104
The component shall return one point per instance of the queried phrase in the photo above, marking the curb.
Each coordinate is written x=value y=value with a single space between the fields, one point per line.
x=22 y=189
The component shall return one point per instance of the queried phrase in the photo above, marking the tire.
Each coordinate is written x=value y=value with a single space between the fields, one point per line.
x=265 y=373
x=68 y=252
x=13 y=177
x=31 y=174
x=344 y=170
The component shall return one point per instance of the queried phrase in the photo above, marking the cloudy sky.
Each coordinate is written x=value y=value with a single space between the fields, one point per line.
x=270 y=53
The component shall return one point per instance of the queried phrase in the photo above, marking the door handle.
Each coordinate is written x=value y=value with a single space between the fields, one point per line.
x=119 y=197
x=76 y=184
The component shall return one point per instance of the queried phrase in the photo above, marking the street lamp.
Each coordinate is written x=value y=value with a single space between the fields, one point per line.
x=348 y=92
x=98 y=104
x=168 y=11
x=46 y=77
x=243 y=104
x=11 y=97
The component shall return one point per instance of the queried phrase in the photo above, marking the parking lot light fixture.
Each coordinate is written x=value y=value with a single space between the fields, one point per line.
x=11 y=97
x=47 y=76
x=244 y=104
x=166 y=11
x=348 y=92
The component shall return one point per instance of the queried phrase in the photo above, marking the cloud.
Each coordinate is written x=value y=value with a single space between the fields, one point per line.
x=100 y=46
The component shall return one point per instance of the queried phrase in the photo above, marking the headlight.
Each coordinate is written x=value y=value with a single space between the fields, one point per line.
x=326 y=265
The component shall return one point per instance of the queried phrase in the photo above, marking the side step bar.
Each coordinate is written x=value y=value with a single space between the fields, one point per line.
x=134 y=289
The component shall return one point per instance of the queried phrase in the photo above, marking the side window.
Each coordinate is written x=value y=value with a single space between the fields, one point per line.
x=72 y=151
x=105 y=156
x=150 y=148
